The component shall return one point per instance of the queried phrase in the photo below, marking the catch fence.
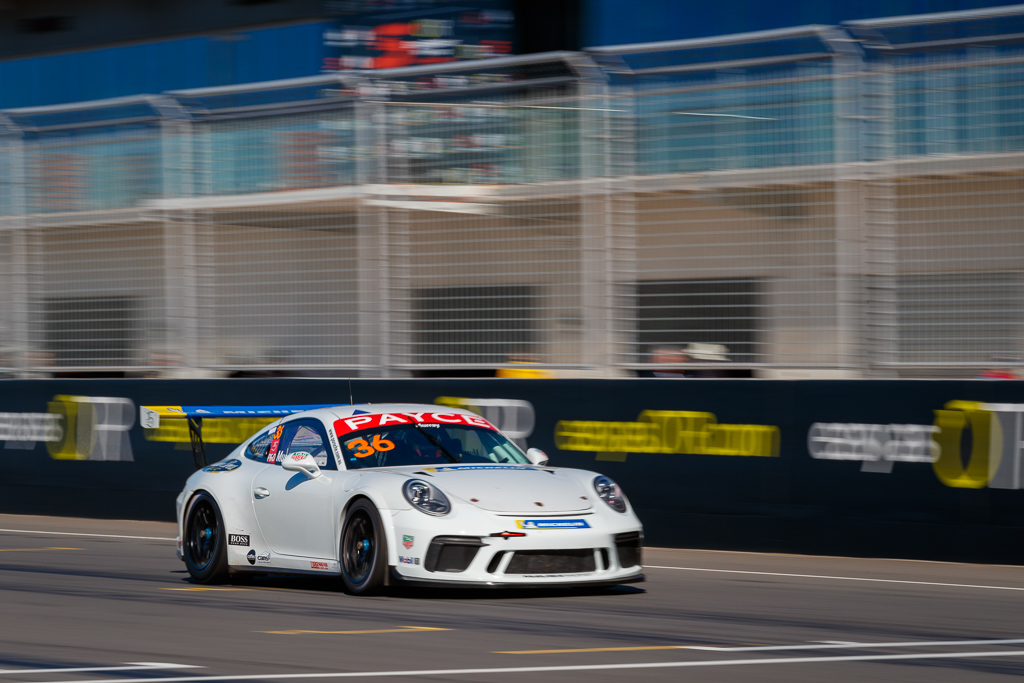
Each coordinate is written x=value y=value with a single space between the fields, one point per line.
x=817 y=201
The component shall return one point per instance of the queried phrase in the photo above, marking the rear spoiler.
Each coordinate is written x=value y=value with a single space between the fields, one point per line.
x=149 y=418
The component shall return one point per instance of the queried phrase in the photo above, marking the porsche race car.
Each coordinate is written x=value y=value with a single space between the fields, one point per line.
x=396 y=493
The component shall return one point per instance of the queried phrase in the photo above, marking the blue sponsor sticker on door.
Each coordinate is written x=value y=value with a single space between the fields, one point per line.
x=552 y=524
x=228 y=466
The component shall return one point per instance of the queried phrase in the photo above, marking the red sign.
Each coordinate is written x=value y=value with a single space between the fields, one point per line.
x=318 y=565
x=360 y=422
x=274 y=444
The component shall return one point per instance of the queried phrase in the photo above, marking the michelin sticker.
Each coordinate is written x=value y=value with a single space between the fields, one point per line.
x=552 y=524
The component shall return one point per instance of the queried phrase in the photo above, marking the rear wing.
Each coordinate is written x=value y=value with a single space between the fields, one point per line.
x=150 y=416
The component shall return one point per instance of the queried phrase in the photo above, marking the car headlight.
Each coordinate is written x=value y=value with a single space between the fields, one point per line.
x=426 y=498
x=609 y=492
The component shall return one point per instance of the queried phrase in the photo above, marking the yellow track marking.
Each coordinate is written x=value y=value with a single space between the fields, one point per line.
x=28 y=550
x=204 y=588
x=402 y=629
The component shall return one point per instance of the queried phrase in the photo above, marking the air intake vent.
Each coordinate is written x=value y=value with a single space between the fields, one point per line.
x=629 y=547
x=451 y=553
x=552 y=562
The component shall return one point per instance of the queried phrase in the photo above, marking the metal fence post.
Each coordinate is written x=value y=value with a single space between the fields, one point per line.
x=597 y=285
x=181 y=331
x=371 y=240
x=847 y=70
x=881 y=313
x=881 y=327
x=12 y=144
x=622 y=211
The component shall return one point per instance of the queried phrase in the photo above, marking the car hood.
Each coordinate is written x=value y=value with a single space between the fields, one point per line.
x=517 y=489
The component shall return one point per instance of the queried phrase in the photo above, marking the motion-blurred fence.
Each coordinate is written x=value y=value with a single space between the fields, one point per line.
x=815 y=201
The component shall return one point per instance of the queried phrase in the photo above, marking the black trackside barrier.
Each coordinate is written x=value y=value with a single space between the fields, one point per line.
x=912 y=469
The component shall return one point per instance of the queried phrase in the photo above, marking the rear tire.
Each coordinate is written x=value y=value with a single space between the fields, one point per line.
x=205 y=544
x=362 y=553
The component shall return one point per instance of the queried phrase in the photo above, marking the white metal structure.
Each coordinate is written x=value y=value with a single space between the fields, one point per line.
x=822 y=201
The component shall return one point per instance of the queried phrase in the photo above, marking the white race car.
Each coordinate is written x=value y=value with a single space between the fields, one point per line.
x=395 y=493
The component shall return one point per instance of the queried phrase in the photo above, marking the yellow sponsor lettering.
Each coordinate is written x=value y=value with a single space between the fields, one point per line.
x=92 y=428
x=750 y=440
x=620 y=437
x=986 y=450
x=67 y=447
x=457 y=402
x=668 y=431
x=215 y=430
x=679 y=431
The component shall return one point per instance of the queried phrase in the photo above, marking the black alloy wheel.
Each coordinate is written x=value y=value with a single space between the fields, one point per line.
x=363 y=556
x=204 y=546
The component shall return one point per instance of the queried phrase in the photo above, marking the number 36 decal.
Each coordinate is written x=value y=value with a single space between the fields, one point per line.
x=364 y=449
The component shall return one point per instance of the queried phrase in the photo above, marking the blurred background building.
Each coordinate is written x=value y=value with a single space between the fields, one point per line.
x=435 y=188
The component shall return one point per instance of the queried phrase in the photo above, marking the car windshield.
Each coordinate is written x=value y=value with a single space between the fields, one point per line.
x=427 y=444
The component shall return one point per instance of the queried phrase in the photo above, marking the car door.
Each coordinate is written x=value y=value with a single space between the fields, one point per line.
x=296 y=514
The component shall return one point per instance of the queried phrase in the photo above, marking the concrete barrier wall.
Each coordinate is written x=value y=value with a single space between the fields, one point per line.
x=916 y=469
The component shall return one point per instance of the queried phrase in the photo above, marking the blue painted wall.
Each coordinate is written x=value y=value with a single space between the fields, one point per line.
x=297 y=50
x=618 y=22
x=239 y=57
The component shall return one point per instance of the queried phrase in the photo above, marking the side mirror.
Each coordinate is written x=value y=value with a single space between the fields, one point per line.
x=537 y=456
x=301 y=462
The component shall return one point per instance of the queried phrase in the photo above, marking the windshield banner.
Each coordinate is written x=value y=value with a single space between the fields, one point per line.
x=360 y=422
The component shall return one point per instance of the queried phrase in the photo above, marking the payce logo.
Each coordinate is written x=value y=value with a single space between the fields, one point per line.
x=994 y=459
x=74 y=428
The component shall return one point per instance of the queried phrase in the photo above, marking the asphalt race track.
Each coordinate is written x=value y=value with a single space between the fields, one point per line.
x=88 y=600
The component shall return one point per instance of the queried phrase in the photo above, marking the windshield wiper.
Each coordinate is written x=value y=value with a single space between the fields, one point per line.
x=437 y=442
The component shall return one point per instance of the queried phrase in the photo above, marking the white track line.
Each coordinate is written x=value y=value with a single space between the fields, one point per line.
x=129 y=666
x=837 y=578
x=584 y=667
x=71 y=533
x=843 y=646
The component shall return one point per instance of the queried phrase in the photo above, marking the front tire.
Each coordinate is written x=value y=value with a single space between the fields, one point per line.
x=363 y=555
x=205 y=544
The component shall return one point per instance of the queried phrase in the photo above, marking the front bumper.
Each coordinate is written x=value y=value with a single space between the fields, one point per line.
x=400 y=580
x=474 y=551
